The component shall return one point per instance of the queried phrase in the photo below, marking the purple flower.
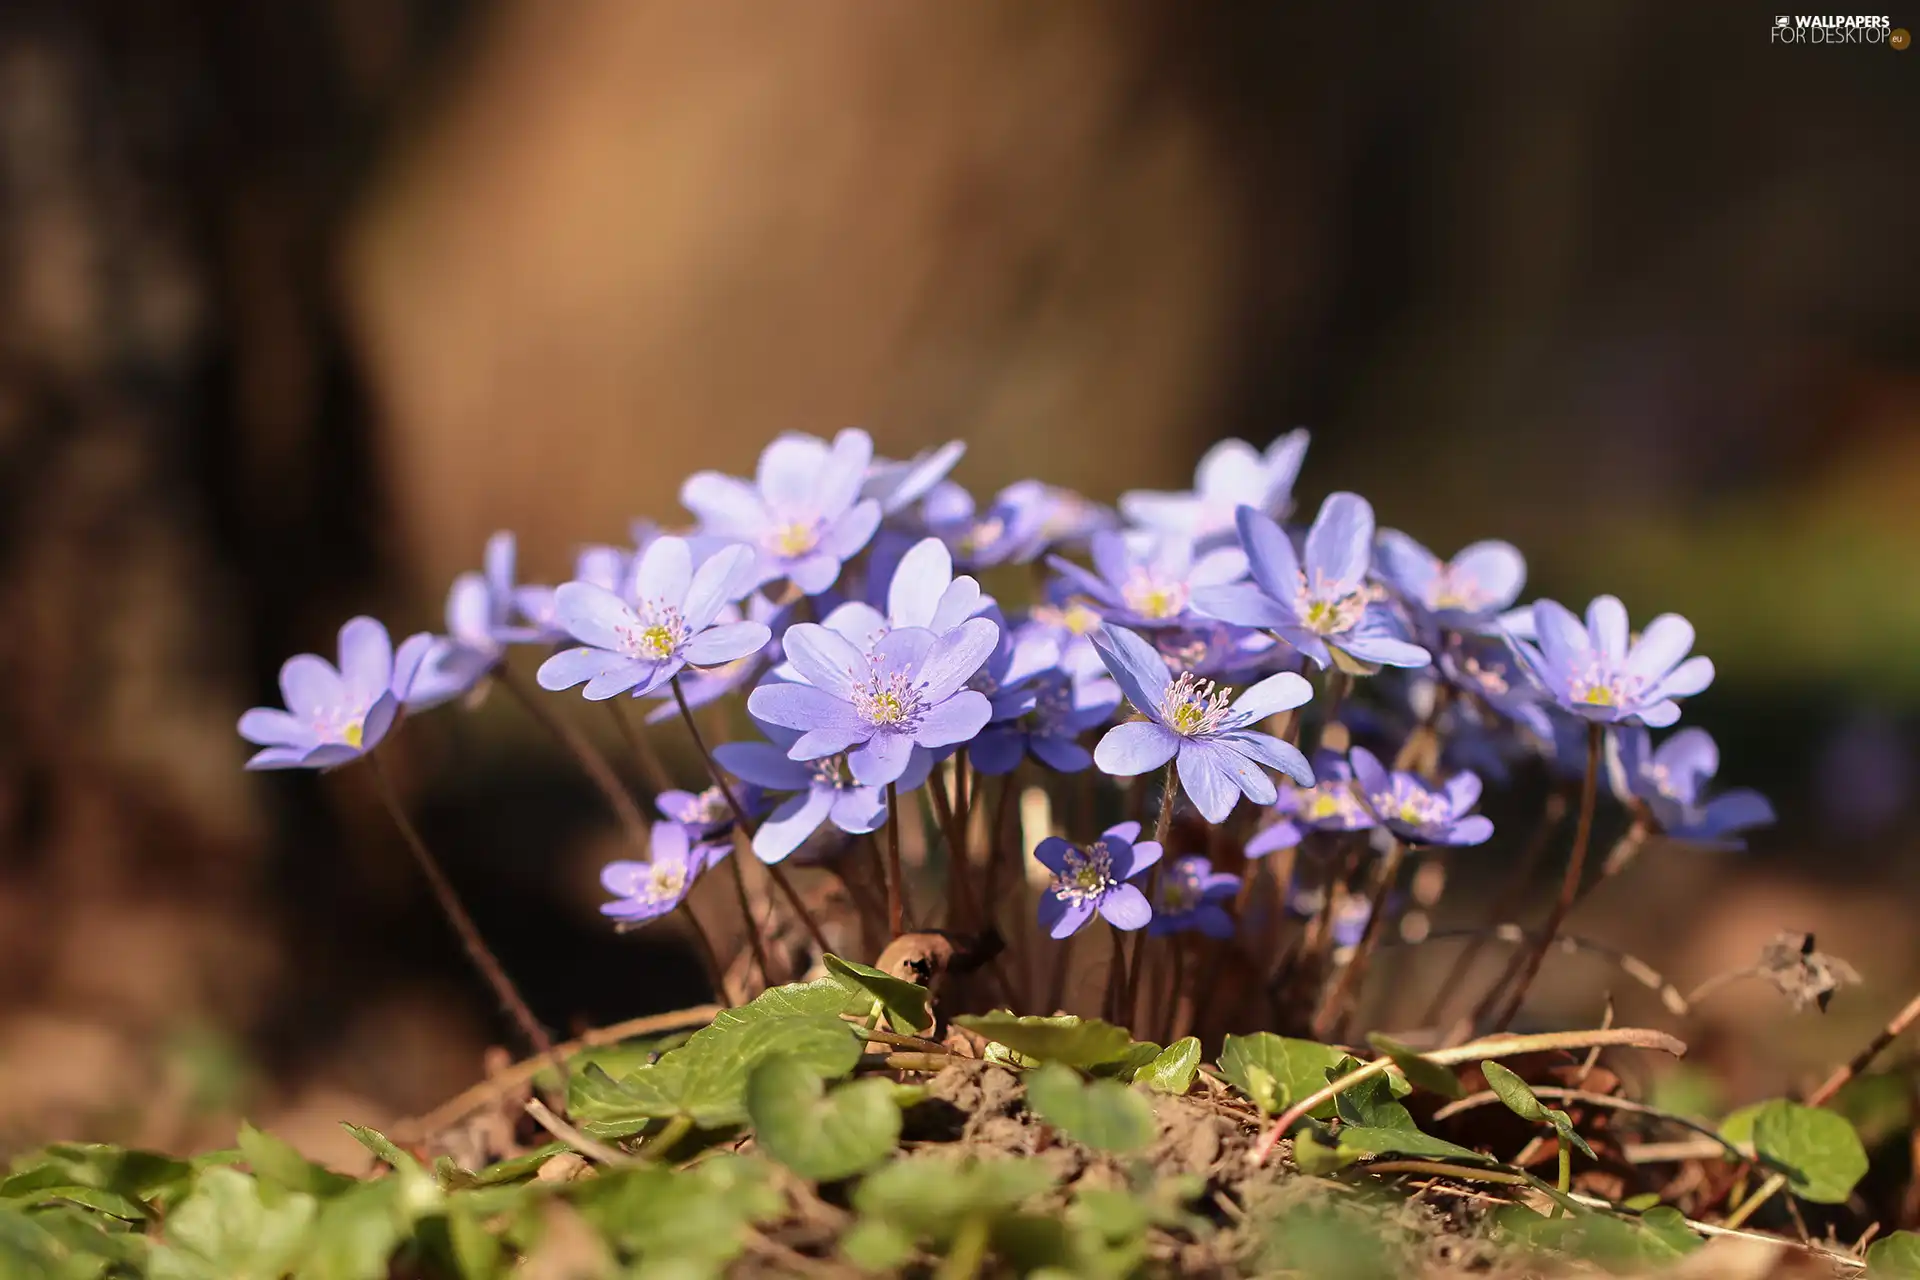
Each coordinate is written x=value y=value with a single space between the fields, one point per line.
x=1188 y=899
x=921 y=592
x=1025 y=519
x=706 y=814
x=1231 y=475
x=602 y=565
x=1149 y=582
x=1222 y=651
x=1416 y=812
x=1670 y=781
x=336 y=715
x=704 y=685
x=479 y=617
x=1324 y=608
x=1465 y=593
x=824 y=791
x=1330 y=804
x=879 y=703
x=1094 y=879
x=638 y=649
x=1350 y=913
x=1489 y=668
x=1188 y=720
x=1053 y=710
x=802 y=516
x=898 y=485
x=1598 y=673
x=648 y=890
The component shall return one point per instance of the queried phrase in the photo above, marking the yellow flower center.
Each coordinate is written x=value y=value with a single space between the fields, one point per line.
x=795 y=538
x=656 y=641
x=354 y=734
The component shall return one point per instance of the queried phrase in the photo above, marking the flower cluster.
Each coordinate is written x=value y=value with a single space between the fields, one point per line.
x=1192 y=640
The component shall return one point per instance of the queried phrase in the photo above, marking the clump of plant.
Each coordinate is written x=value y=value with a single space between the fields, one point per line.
x=940 y=811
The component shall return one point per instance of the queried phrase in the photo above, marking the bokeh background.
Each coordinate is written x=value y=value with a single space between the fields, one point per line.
x=299 y=301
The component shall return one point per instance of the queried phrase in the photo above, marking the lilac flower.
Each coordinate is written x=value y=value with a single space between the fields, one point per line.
x=1594 y=671
x=603 y=566
x=479 y=617
x=336 y=715
x=1188 y=720
x=878 y=704
x=700 y=686
x=648 y=890
x=638 y=649
x=1149 y=582
x=824 y=790
x=1416 y=812
x=1094 y=879
x=706 y=814
x=1330 y=804
x=1325 y=609
x=1231 y=475
x=1071 y=623
x=1465 y=593
x=922 y=591
x=1350 y=913
x=898 y=485
x=1025 y=519
x=1222 y=651
x=1490 y=669
x=1670 y=782
x=1057 y=710
x=802 y=516
x=1188 y=899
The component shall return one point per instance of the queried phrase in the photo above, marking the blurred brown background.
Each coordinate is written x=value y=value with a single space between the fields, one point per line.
x=299 y=301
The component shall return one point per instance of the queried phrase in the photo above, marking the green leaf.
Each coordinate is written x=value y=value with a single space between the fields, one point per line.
x=1422 y=1071
x=1737 y=1128
x=1173 y=1071
x=138 y=1175
x=111 y=1203
x=607 y=1108
x=905 y=1002
x=1371 y=1104
x=932 y=1196
x=383 y=1148
x=818 y=1135
x=276 y=1162
x=234 y=1228
x=1669 y=1226
x=476 y=1251
x=1128 y=1066
x=1293 y=1069
x=679 y=1222
x=1515 y=1092
x=875 y=1245
x=356 y=1233
x=1563 y=1127
x=1896 y=1257
x=1103 y=1114
x=1071 y=1041
x=1407 y=1142
x=1818 y=1151
x=520 y=1167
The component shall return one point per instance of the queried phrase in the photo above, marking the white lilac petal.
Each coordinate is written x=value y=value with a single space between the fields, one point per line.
x=619 y=676
x=1369 y=773
x=272 y=727
x=1207 y=783
x=278 y=758
x=1140 y=857
x=655 y=679
x=329 y=755
x=570 y=667
x=593 y=615
x=664 y=572
x=728 y=642
x=824 y=658
x=718 y=582
x=1244 y=605
x=1339 y=546
x=789 y=825
x=1083 y=582
x=1217 y=568
x=366 y=660
x=1240 y=766
x=1689 y=678
x=789 y=474
x=1408 y=565
x=311 y=686
x=1280 y=692
x=812 y=573
x=1125 y=907
x=861 y=624
x=1685 y=762
x=1463 y=791
x=828 y=740
x=851 y=531
x=1113 y=559
x=379 y=718
x=858 y=810
x=1563 y=641
x=726 y=506
x=954 y=721
x=1272 y=752
x=919 y=581
x=1473 y=829
x=800 y=706
x=1376 y=644
x=844 y=471
x=1136 y=747
x=470 y=610
x=412 y=657
x=1135 y=665
x=1486 y=576
x=1063 y=919
x=960 y=601
x=1657 y=715
x=881 y=759
x=1608 y=626
x=952 y=659
x=1128 y=831
x=1661 y=647
x=1737 y=810
x=764 y=765
x=1270 y=556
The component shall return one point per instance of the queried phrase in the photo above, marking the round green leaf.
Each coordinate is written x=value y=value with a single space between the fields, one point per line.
x=1173 y=1071
x=1895 y=1258
x=816 y=1134
x=905 y=1002
x=1292 y=1069
x=1103 y=1114
x=1817 y=1150
x=1077 y=1042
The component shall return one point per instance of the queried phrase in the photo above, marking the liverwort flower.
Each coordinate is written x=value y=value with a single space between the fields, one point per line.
x=334 y=715
x=802 y=516
x=824 y=790
x=479 y=617
x=1044 y=717
x=1144 y=581
x=1669 y=783
x=1188 y=899
x=1322 y=606
x=700 y=686
x=1232 y=474
x=898 y=485
x=1416 y=812
x=922 y=591
x=1598 y=672
x=648 y=890
x=1094 y=879
x=1330 y=804
x=877 y=704
x=706 y=814
x=1024 y=520
x=1465 y=593
x=602 y=565
x=1197 y=725
x=639 y=647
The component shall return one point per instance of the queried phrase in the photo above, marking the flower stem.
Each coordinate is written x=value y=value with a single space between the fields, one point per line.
x=1569 y=886
x=652 y=768
x=1347 y=984
x=1162 y=832
x=897 y=914
x=588 y=756
x=477 y=950
x=1057 y=986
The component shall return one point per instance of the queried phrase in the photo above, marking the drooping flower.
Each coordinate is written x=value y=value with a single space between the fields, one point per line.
x=877 y=704
x=1670 y=781
x=1466 y=593
x=648 y=890
x=1324 y=607
x=1599 y=673
x=1143 y=581
x=898 y=485
x=1330 y=804
x=802 y=515
x=823 y=790
x=334 y=715
x=479 y=626
x=1095 y=879
x=1231 y=475
x=1188 y=898
x=1416 y=812
x=638 y=647
x=1190 y=721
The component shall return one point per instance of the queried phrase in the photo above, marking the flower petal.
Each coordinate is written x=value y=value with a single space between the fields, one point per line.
x=366 y=660
x=1273 y=753
x=310 y=686
x=721 y=579
x=1368 y=772
x=881 y=759
x=1494 y=571
x=764 y=765
x=1474 y=829
x=1270 y=557
x=726 y=506
x=1463 y=791
x=624 y=674
x=1125 y=907
x=1135 y=665
x=1340 y=544
x=799 y=706
x=664 y=573
x=852 y=531
x=1667 y=640
x=1136 y=747
x=272 y=727
x=1061 y=920
x=1607 y=624
x=1687 y=679
x=858 y=810
x=844 y=471
x=789 y=472
x=1206 y=782
x=788 y=826
x=824 y=658
x=829 y=740
x=1063 y=755
x=570 y=667
x=1271 y=696
x=954 y=721
x=726 y=643
x=919 y=580
x=1413 y=570
x=593 y=615
x=955 y=657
